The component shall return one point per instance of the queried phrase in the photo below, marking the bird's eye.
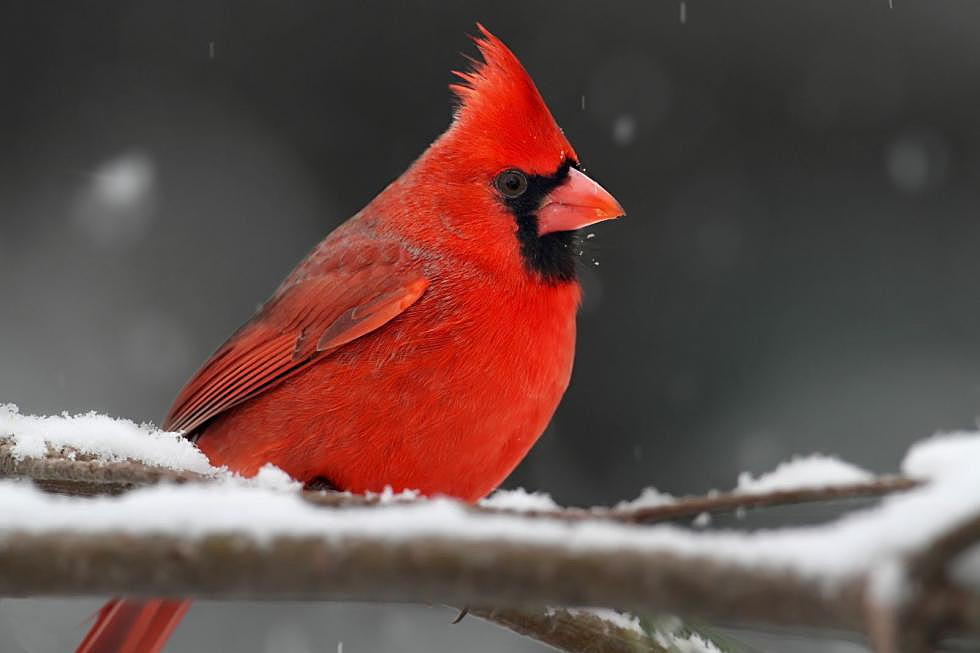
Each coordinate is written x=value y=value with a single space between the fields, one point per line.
x=511 y=183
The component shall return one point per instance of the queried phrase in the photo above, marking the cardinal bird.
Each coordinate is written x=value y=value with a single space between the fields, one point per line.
x=425 y=343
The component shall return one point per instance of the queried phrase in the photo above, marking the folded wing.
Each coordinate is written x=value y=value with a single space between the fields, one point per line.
x=338 y=294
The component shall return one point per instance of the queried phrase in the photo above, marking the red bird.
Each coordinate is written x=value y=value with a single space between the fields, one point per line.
x=425 y=343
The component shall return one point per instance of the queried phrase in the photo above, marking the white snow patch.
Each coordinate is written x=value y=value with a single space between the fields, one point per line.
x=941 y=453
x=668 y=637
x=622 y=620
x=270 y=477
x=107 y=438
x=520 y=500
x=703 y=520
x=650 y=497
x=811 y=471
x=691 y=643
x=390 y=496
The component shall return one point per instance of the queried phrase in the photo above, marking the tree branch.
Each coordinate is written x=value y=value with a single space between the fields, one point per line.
x=720 y=502
x=72 y=473
x=936 y=605
x=418 y=569
x=523 y=576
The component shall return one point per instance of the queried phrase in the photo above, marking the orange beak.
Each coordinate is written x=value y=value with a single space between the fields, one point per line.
x=575 y=204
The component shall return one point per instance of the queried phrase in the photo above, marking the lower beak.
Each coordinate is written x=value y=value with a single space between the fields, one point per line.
x=577 y=203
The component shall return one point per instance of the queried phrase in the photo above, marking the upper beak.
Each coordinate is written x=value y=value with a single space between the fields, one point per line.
x=577 y=203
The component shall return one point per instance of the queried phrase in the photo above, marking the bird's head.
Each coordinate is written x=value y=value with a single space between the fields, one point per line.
x=505 y=172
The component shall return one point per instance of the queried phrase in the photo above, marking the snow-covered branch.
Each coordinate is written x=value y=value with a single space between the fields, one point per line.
x=67 y=471
x=250 y=543
x=905 y=571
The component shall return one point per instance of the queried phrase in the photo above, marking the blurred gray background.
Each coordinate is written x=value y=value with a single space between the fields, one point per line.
x=798 y=271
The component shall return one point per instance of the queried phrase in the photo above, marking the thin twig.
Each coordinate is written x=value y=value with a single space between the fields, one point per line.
x=680 y=508
x=573 y=631
x=692 y=506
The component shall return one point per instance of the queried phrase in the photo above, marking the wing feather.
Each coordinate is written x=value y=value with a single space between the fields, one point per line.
x=333 y=298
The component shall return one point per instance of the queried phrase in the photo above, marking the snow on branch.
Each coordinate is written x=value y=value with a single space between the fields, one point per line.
x=905 y=571
x=99 y=437
x=64 y=470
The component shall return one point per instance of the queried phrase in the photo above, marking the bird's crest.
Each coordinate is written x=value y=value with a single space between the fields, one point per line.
x=499 y=100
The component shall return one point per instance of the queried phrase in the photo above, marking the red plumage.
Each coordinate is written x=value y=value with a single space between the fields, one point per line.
x=425 y=343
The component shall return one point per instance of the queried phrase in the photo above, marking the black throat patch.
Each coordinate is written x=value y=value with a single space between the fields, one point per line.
x=551 y=256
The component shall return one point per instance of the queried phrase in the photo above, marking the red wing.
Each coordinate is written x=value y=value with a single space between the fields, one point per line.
x=328 y=302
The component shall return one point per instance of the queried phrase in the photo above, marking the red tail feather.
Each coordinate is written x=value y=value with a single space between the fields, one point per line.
x=133 y=626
